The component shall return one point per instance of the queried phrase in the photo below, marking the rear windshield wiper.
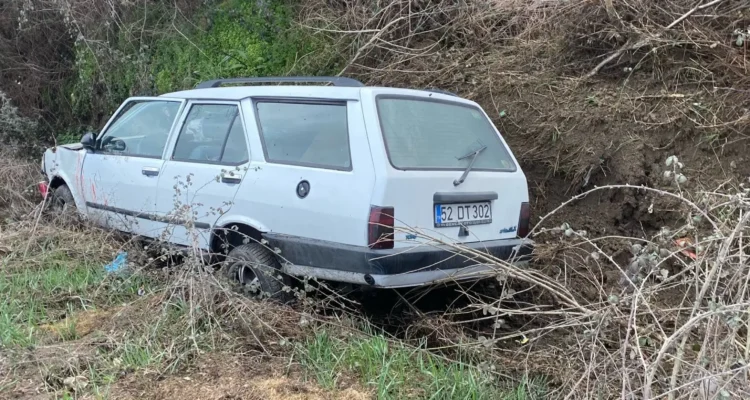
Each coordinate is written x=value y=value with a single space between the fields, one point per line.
x=473 y=156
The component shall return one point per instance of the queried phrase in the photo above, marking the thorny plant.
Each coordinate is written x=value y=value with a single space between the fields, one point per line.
x=679 y=312
x=187 y=212
x=197 y=306
x=402 y=33
x=669 y=320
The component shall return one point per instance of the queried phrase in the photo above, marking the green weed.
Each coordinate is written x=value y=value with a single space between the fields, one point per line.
x=58 y=286
x=394 y=371
x=30 y=294
x=138 y=354
x=67 y=330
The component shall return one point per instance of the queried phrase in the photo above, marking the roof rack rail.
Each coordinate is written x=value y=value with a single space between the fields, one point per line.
x=335 y=80
x=441 y=92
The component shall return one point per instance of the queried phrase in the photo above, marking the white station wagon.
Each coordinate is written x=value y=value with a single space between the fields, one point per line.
x=380 y=187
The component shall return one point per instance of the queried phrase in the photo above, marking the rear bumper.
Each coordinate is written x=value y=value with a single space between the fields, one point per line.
x=399 y=267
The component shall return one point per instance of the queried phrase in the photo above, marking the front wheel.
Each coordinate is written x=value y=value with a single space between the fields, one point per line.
x=62 y=203
x=258 y=272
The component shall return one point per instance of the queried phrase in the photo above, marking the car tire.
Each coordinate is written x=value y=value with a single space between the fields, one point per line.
x=62 y=203
x=258 y=272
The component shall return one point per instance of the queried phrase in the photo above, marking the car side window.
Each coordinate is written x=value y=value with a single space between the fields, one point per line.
x=308 y=134
x=141 y=129
x=235 y=151
x=212 y=133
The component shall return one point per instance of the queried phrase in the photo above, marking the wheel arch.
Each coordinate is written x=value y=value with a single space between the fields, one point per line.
x=57 y=181
x=231 y=233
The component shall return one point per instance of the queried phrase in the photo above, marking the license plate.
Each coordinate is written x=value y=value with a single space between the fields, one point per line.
x=463 y=214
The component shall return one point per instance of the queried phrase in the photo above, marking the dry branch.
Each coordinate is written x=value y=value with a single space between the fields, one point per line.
x=647 y=40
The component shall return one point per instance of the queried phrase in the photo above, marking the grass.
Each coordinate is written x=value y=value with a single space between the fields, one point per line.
x=53 y=291
x=35 y=296
x=395 y=371
x=62 y=315
x=137 y=355
x=56 y=298
x=68 y=330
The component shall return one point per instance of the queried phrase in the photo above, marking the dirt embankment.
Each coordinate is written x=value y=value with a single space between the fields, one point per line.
x=676 y=84
x=591 y=94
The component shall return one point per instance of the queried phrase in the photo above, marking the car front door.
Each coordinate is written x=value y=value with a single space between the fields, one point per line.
x=202 y=173
x=119 y=177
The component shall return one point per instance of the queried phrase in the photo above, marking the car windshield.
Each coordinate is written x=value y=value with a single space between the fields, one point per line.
x=429 y=134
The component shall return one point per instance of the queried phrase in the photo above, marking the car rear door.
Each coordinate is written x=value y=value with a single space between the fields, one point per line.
x=314 y=176
x=423 y=144
x=118 y=178
x=207 y=161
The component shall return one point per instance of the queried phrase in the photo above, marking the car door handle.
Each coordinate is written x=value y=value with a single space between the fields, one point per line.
x=233 y=178
x=150 y=171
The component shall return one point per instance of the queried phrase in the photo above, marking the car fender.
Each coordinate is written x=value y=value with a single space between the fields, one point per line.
x=229 y=219
x=67 y=164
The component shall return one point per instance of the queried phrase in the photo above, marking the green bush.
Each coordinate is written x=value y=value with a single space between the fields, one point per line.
x=16 y=131
x=231 y=38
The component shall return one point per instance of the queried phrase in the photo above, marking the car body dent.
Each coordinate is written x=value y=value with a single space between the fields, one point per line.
x=66 y=163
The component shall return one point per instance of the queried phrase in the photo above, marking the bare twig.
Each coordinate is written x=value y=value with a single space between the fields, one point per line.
x=647 y=40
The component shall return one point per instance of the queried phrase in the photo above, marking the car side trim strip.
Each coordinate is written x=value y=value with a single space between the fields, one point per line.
x=150 y=217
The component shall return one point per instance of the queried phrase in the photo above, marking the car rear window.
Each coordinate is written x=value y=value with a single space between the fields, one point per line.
x=431 y=134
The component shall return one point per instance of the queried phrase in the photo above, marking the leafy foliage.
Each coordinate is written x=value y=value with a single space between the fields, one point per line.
x=96 y=56
x=14 y=127
x=230 y=39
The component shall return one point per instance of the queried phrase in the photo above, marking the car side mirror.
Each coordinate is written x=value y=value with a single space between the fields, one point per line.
x=88 y=141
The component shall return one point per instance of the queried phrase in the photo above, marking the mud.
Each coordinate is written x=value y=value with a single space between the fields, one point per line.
x=229 y=377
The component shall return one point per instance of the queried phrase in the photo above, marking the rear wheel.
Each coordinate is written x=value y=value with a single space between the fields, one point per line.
x=258 y=272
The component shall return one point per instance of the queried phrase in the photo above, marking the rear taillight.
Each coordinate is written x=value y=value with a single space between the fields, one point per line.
x=380 y=228
x=43 y=187
x=524 y=220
